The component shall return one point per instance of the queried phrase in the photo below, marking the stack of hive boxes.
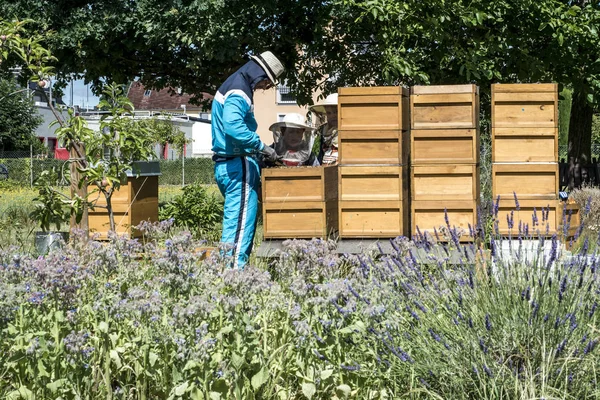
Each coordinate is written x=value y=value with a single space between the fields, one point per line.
x=525 y=155
x=444 y=157
x=373 y=138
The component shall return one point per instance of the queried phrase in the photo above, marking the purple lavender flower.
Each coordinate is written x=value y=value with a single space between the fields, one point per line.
x=590 y=346
x=517 y=206
x=488 y=322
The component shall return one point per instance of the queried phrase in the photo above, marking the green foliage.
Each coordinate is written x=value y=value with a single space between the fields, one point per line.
x=564 y=116
x=596 y=129
x=110 y=153
x=197 y=209
x=52 y=207
x=18 y=117
x=164 y=131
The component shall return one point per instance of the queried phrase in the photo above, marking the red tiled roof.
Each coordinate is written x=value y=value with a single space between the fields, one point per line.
x=161 y=99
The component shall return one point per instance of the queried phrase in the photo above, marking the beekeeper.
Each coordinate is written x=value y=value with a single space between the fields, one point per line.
x=328 y=132
x=293 y=141
x=235 y=144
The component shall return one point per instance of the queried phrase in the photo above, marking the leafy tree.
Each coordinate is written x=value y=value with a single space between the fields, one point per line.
x=163 y=132
x=18 y=117
x=195 y=45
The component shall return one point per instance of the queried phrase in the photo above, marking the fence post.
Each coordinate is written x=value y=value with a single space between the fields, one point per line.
x=31 y=165
x=182 y=169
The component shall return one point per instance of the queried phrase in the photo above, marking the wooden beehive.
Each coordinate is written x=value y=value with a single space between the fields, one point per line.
x=373 y=147
x=524 y=145
x=445 y=182
x=444 y=146
x=444 y=107
x=527 y=180
x=134 y=202
x=373 y=109
x=377 y=183
x=299 y=202
x=541 y=217
x=525 y=105
x=430 y=215
x=373 y=219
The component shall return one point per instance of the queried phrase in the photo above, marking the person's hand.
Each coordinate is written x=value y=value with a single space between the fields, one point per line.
x=270 y=154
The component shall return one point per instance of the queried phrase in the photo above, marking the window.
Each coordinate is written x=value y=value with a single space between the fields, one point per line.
x=284 y=95
x=147 y=92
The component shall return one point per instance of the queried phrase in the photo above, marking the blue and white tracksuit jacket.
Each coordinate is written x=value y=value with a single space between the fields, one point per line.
x=237 y=173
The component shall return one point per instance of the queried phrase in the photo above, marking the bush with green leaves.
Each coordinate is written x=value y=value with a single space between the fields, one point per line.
x=197 y=209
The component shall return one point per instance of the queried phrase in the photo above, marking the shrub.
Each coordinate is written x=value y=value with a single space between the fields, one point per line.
x=198 y=210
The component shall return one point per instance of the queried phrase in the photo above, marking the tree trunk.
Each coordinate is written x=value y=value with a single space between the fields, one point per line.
x=580 y=139
x=76 y=153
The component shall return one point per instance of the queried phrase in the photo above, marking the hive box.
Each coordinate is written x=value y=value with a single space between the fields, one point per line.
x=299 y=202
x=373 y=219
x=527 y=180
x=377 y=183
x=373 y=147
x=507 y=210
x=512 y=145
x=445 y=182
x=444 y=146
x=444 y=107
x=430 y=215
x=525 y=105
x=373 y=109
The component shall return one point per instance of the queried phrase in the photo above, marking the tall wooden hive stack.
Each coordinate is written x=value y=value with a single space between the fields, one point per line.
x=444 y=157
x=373 y=161
x=525 y=155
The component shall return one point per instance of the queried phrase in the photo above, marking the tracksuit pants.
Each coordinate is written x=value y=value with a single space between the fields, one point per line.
x=239 y=182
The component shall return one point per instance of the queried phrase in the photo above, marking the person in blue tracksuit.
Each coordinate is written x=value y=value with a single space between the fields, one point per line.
x=235 y=144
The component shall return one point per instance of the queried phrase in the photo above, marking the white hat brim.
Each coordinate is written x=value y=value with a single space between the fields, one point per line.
x=288 y=125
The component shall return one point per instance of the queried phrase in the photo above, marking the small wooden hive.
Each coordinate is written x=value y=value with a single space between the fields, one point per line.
x=372 y=109
x=373 y=147
x=134 y=202
x=541 y=217
x=444 y=146
x=522 y=145
x=430 y=216
x=527 y=180
x=525 y=105
x=299 y=202
x=445 y=182
x=444 y=107
x=373 y=201
x=373 y=219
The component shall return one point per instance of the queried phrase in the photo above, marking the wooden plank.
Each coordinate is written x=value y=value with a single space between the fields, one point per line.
x=444 y=109
x=445 y=182
x=524 y=145
x=373 y=91
x=373 y=219
x=440 y=89
x=373 y=147
x=441 y=146
x=376 y=183
x=299 y=219
x=430 y=216
x=524 y=87
x=299 y=184
x=527 y=180
x=531 y=213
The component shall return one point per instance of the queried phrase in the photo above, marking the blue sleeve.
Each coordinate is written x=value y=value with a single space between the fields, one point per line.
x=234 y=114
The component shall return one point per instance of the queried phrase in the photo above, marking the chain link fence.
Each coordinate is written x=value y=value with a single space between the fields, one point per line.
x=563 y=150
x=24 y=167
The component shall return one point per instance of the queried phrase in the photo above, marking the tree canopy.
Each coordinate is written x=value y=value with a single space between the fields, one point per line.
x=18 y=117
x=196 y=44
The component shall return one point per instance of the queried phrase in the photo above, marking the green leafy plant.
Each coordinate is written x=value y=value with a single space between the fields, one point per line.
x=196 y=209
x=52 y=207
x=110 y=153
